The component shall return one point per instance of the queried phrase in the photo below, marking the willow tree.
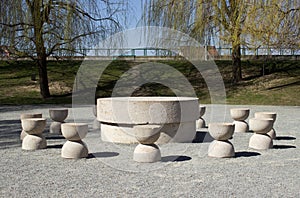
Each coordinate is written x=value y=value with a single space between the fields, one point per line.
x=229 y=17
x=274 y=25
x=182 y=15
x=200 y=17
x=42 y=28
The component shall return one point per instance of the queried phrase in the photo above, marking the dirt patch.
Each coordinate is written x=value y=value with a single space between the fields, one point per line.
x=55 y=88
x=59 y=88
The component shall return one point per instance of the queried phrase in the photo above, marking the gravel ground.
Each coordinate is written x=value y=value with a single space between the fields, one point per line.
x=185 y=169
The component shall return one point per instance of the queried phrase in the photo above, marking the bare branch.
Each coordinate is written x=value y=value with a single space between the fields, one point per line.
x=15 y=25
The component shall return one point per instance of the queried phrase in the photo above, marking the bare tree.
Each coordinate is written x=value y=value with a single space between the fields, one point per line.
x=42 y=28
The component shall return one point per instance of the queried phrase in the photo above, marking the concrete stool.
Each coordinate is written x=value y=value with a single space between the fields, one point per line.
x=200 y=123
x=239 y=115
x=272 y=115
x=34 y=128
x=58 y=116
x=28 y=115
x=74 y=148
x=221 y=147
x=146 y=151
x=261 y=140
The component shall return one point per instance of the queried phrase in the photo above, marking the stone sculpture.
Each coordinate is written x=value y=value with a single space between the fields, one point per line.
x=272 y=115
x=119 y=115
x=146 y=151
x=239 y=115
x=74 y=148
x=260 y=140
x=34 y=128
x=58 y=116
x=221 y=147
x=28 y=115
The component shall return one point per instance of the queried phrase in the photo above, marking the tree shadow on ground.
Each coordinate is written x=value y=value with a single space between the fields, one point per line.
x=246 y=154
x=285 y=85
x=102 y=155
x=175 y=158
x=202 y=137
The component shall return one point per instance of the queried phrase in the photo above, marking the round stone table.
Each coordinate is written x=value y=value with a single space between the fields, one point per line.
x=176 y=115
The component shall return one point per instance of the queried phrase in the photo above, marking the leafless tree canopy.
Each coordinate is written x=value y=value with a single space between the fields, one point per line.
x=67 y=26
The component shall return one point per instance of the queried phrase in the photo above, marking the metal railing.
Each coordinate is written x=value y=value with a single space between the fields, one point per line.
x=153 y=52
x=166 y=52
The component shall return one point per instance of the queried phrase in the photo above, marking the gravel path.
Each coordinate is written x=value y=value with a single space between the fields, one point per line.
x=185 y=169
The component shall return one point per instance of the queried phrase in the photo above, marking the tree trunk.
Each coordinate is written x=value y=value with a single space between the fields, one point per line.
x=43 y=76
x=37 y=16
x=236 y=64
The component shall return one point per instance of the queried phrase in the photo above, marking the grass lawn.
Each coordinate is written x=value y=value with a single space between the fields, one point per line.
x=280 y=84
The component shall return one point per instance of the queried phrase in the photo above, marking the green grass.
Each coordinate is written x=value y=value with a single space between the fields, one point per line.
x=280 y=84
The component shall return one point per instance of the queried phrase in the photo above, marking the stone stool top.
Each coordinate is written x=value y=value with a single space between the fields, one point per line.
x=74 y=131
x=58 y=115
x=266 y=115
x=34 y=126
x=147 y=134
x=30 y=115
x=261 y=125
x=239 y=113
x=221 y=131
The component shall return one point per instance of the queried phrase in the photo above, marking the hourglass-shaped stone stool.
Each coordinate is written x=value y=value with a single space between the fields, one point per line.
x=34 y=128
x=272 y=115
x=239 y=115
x=146 y=151
x=28 y=115
x=260 y=140
x=74 y=148
x=221 y=147
x=200 y=123
x=58 y=116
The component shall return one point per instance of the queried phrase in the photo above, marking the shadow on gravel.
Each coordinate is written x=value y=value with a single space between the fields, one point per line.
x=10 y=122
x=102 y=155
x=175 y=158
x=10 y=133
x=283 y=146
x=14 y=144
x=57 y=146
x=55 y=137
x=246 y=154
x=285 y=138
x=9 y=128
x=202 y=137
